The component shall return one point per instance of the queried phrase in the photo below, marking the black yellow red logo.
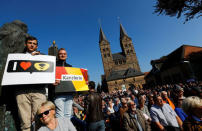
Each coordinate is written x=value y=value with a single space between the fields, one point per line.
x=42 y=66
x=30 y=66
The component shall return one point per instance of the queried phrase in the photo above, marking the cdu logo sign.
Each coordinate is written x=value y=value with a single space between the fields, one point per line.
x=42 y=66
x=27 y=69
x=29 y=66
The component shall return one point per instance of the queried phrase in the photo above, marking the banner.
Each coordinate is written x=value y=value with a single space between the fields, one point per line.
x=71 y=79
x=28 y=69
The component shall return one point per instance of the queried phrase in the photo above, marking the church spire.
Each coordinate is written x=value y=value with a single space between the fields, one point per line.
x=122 y=32
x=102 y=35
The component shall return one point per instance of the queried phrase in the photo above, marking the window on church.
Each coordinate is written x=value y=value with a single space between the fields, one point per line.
x=108 y=55
x=131 y=51
x=120 y=61
x=103 y=49
x=116 y=62
x=126 y=45
x=128 y=51
x=107 y=49
x=105 y=55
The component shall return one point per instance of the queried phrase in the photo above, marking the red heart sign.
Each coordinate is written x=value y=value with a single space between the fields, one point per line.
x=25 y=65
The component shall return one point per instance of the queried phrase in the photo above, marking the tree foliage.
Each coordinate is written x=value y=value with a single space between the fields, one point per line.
x=188 y=8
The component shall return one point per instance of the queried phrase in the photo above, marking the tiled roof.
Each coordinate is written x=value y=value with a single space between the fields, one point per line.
x=176 y=56
x=190 y=49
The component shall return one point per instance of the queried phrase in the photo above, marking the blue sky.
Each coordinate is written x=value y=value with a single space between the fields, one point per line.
x=74 y=25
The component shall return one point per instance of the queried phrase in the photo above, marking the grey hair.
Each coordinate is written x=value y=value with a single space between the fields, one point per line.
x=163 y=92
x=191 y=102
x=129 y=103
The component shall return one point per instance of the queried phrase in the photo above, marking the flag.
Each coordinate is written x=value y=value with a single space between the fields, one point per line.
x=71 y=79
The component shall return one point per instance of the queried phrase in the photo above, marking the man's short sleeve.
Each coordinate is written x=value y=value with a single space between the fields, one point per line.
x=154 y=116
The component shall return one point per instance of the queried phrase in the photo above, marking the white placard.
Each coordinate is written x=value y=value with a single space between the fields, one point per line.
x=27 y=69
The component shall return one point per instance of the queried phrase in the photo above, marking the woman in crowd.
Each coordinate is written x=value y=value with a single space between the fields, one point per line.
x=193 y=107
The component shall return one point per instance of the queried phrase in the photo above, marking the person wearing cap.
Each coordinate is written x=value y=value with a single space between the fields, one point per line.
x=46 y=114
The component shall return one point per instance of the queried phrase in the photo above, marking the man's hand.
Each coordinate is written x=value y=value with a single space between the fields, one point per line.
x=57 y=82
x=161 y=127
x=179 y=122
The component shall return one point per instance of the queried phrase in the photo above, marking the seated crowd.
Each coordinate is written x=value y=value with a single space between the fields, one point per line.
x=165 y=108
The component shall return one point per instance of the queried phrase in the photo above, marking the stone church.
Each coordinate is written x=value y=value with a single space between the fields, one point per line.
x=120 y=69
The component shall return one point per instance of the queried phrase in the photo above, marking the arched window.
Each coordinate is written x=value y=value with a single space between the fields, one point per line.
x=116 y=62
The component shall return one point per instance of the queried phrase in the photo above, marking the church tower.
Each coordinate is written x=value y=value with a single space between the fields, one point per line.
x=105 y=53
x=121 y=69
x=128 y=49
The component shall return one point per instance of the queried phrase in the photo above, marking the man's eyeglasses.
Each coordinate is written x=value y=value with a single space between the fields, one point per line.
x=45 y=113
x=132 y=104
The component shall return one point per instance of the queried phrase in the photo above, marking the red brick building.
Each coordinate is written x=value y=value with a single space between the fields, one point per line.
x=181 y=65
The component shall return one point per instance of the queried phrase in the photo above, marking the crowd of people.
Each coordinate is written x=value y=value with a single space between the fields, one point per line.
x=165 y=108
x=168 y=107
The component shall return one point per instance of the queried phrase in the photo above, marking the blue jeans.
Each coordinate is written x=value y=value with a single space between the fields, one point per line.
x=63 y=105
x=96 y=126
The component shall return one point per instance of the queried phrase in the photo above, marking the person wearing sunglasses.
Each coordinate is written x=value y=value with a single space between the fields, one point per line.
x=46 y=114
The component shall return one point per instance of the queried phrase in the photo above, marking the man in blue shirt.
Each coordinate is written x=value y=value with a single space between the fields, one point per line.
x=163 y=116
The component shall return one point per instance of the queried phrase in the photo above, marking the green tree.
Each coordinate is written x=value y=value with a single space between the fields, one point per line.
x=188 y=8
